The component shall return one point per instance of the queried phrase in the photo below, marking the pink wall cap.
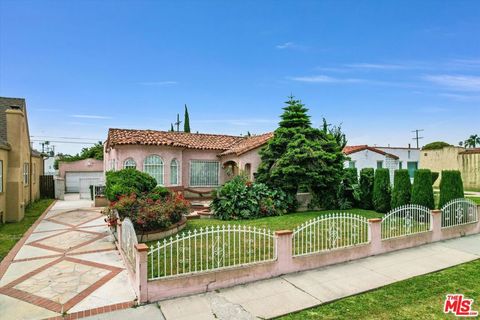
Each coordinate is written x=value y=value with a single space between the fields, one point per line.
x=375 y=220
x=141 y=247
x=119 y=222
x=283 y=232
x=437 y=211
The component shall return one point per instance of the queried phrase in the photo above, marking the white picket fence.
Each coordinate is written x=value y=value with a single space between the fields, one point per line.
x=211 y=248
x=330 y=231
x=128 y=241
x=406 y=220
x=458 y=212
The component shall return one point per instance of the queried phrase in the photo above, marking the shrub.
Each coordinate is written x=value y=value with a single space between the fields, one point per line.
x=436 y=145
x=346 y=189
x=422 y=191
x=126 y=182
x=366 y=188
x=434 y=177
x=401 y=188
x=451 y=186
x=150 y=211
x=381 y=191
x=243 y=199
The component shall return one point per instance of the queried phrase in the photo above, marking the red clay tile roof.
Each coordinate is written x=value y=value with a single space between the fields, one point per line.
x=353 y=149
x=470 y=151
x=248 y=143
x=200 y=141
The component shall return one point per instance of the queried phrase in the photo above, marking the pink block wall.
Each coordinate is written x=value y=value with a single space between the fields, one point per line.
x=80 y=166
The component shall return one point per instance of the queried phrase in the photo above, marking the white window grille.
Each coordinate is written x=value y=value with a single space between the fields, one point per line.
x=26 y=171
x=204 y=173
x=153 y=165
x=1 y=175
x=129 y=163
x=174 y=172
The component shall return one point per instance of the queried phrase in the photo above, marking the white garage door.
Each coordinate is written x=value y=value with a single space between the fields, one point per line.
x=79 y=182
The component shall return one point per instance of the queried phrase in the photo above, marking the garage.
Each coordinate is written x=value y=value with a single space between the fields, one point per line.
x=79 y=182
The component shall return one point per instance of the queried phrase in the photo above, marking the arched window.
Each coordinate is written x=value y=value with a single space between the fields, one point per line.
x=174 y=172
x=129 y=163
x=153 y=165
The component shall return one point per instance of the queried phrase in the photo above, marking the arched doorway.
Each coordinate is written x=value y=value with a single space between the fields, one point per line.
x=230 y=169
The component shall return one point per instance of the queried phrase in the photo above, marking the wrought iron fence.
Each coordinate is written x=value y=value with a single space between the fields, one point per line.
x=459 y=211
x=210 y=248
x=330 y=231
x=128 y=241
x=406 y=220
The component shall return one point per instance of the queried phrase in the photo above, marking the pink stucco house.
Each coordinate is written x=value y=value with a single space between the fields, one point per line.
x=178 y=159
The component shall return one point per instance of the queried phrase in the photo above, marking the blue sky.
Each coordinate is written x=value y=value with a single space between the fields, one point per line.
x=381 y=68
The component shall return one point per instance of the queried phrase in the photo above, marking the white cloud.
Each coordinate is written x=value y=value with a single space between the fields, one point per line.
x=89 y=116
x=326 y=79
x=289 y=45
x=376 y=66
x=455 y=82
x=158 y=83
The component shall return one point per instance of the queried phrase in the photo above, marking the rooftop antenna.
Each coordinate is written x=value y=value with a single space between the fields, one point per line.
x=417 y=138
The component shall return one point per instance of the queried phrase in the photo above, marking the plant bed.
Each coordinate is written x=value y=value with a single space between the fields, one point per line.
x=162 y=233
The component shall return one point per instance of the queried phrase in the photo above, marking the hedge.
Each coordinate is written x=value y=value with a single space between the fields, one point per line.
x=381 y=191
x=366 y=188
x=345 y=193
x=126 y=182
x=402 y=188
x=451 y=186
x=422 y=191
x=434 y=176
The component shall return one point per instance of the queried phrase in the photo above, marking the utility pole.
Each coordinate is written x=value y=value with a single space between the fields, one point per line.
x=178 y=122
x=416 y=136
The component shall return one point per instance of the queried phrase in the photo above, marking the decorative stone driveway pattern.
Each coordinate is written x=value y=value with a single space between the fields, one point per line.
x=67 y=265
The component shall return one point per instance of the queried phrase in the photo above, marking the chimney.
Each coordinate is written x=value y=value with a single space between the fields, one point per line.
x=409 y=146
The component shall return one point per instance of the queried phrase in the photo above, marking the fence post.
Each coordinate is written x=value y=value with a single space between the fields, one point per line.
x=436 y=225
x=375 y=235
x=284 y=250
x=141 y=271
x=119 y=233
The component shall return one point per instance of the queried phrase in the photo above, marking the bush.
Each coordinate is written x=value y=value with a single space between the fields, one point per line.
x=151 y=211
x=402 y=188
x=381 y=191
x=451 y=186
x=436 y=145
x=366 y=188
x=243 y=199
x=346 y=189
x=434 y=177
x=422 y=191
x=126 y=182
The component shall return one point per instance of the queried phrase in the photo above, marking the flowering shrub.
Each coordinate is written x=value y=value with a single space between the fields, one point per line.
x=243 y=199
x=152 y=211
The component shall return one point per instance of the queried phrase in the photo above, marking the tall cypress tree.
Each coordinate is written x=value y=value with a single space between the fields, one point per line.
x=186 y=121
x=299 y=155
x=171 y=127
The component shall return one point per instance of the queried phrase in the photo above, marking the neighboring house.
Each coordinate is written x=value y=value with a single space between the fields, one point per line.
x=392 y=158
x=80 y=174
x=20 y=165
x=467 y=161
x=193 y=160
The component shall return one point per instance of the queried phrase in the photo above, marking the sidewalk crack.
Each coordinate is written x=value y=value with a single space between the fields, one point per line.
x=297 y=287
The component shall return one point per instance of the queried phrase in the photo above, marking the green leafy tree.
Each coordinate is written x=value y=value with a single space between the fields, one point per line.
x=451 y=186
x=435 y=145
x=422 y=191
x=336 y=132
x=402 y=188
x=93 y=152
x=126 y=182
x=301 y=155
x=472 y=141
x=186 y=121
x=382 y=191
x=366 y=188
x=346 y=190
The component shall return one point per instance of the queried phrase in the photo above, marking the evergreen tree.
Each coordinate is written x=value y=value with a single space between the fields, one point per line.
x=422 y=191
x=402 y=188
x=451 y=186
x=382 y=191
x=299 y=154
x=171 y=127
x=186 y=121
x=366 y=188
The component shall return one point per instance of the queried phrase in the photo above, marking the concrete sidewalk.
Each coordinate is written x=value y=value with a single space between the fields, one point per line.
x=294 y=292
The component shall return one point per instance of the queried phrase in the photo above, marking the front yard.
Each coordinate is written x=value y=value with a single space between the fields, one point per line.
x=10 y=233
x=417 y=298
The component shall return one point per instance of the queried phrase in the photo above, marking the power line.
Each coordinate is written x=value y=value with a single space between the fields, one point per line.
x=74 y=138
x=417 y=138
x=74 y=142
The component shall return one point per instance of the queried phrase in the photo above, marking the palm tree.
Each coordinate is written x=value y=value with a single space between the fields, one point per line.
x=472 y=141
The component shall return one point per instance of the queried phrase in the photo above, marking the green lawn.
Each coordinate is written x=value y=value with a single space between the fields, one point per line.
x=475 y=199
x=417 y=298
x=11 y=232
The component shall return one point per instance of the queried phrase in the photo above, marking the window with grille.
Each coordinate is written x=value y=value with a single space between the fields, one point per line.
x=174 y=172
x=204 y=173
x=153 y=165
x=379 y=164
x=26 y=169
x=129 y=164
